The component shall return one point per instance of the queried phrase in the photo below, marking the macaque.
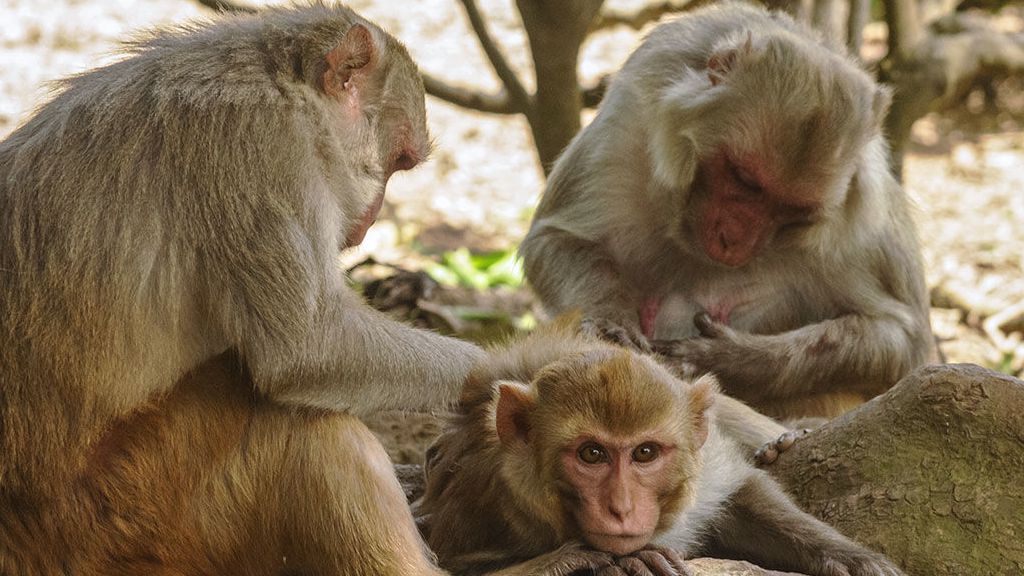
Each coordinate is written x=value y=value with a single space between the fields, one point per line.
x=731 y=207
x=190 y=201
x=211 y=479
x=569 y=453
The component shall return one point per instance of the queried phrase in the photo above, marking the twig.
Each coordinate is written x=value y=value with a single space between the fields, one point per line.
x=994 y=323
x=227 y=6
x=467 y=98
x=642 y=17
x=519 y=100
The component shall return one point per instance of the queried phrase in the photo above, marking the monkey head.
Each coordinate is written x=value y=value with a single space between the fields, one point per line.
x=378 y=93
x=759 y=147
x=607 y=442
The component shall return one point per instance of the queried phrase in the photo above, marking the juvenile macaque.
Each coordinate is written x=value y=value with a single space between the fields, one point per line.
x=568 y=453
x=731 y=206
x=188 y=201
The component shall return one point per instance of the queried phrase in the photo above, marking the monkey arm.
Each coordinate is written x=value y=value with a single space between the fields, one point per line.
x=851 y=353
x=762 y=524
x=744 y=425
x=569 y=272
x=354 y=358
x=566 y=560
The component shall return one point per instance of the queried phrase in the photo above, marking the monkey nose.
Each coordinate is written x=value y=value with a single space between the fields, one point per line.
x=621 y=507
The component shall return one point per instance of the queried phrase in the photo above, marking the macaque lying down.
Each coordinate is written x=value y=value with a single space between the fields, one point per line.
x=567 y=453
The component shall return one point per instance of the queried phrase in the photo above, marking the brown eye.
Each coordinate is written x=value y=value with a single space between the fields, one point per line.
x=591 y=453
x=645 y=453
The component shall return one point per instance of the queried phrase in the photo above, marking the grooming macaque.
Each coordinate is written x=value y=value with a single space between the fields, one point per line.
x=731 y=206
x=188 y=201
x=570 y=453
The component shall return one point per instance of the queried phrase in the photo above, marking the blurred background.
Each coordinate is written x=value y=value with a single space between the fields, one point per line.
x=442 y=252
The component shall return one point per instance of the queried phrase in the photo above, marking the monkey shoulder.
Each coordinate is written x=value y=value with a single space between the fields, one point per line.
x=723 y=472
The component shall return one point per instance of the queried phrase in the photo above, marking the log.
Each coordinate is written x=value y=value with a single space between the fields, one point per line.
x=928 y=473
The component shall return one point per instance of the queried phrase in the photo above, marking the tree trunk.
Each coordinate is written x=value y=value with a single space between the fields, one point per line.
x=928 y=473
x=556 y=31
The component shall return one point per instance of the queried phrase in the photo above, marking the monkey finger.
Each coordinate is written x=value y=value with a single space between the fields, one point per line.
x=611 y=571
x=690 y=350
x=616 y=333
x=662 y=561
x=786 y=441
x=573 y=558
x=766 y=454
x=769 y=453
x=708 y=327
x=634 y=566
x=675 y=559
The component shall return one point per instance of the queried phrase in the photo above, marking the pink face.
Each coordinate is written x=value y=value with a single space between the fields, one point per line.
x=619 y=483
x=746 y=207
x=406 y=159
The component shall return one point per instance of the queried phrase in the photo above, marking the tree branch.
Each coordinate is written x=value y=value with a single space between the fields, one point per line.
x=467 y=98
x=901 y=17
x=518 y=98
x=644 y=16
x=940 y=70
x=227 y=6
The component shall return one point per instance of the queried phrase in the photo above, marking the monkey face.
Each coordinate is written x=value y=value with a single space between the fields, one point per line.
x=618 y=482
x=615 y=435
x=744 y=209
x=376 y=85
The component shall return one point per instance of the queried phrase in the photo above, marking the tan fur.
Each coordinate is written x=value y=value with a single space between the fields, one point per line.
x=504 y=509
x=834 y=311
x=213 y=480
x=188 y=201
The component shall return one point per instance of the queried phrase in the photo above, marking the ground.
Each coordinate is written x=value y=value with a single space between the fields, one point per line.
x=965 y=170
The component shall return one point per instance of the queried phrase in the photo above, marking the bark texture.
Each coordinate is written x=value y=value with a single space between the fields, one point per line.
x=928 y=473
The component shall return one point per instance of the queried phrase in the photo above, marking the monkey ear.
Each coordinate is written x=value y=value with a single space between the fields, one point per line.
x=515 y=400
x=722 y=62
x=702 y=396
x=352 y=56
x=880 y=104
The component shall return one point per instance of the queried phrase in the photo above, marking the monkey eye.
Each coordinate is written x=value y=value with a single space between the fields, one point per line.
x=592 y=453
x=745 y=178
x=647 y=452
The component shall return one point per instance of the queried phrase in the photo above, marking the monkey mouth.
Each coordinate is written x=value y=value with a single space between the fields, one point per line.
x=356 y=235
x=618 y=544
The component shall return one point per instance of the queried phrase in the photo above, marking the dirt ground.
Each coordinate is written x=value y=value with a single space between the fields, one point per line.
x=966 y=170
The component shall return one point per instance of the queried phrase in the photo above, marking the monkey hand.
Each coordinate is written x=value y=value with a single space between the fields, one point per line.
x=570 y=560
x=735 y=358
x=651 y=561
x=615 y=327
x=768 y=453
x=858 y=562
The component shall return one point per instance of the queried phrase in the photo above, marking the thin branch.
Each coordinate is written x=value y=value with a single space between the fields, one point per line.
x=901 y=17
x=498 y=103
x=227 y=6
x=856 y=20
x=468 y=98
x=518 y=97
x=642 y=17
